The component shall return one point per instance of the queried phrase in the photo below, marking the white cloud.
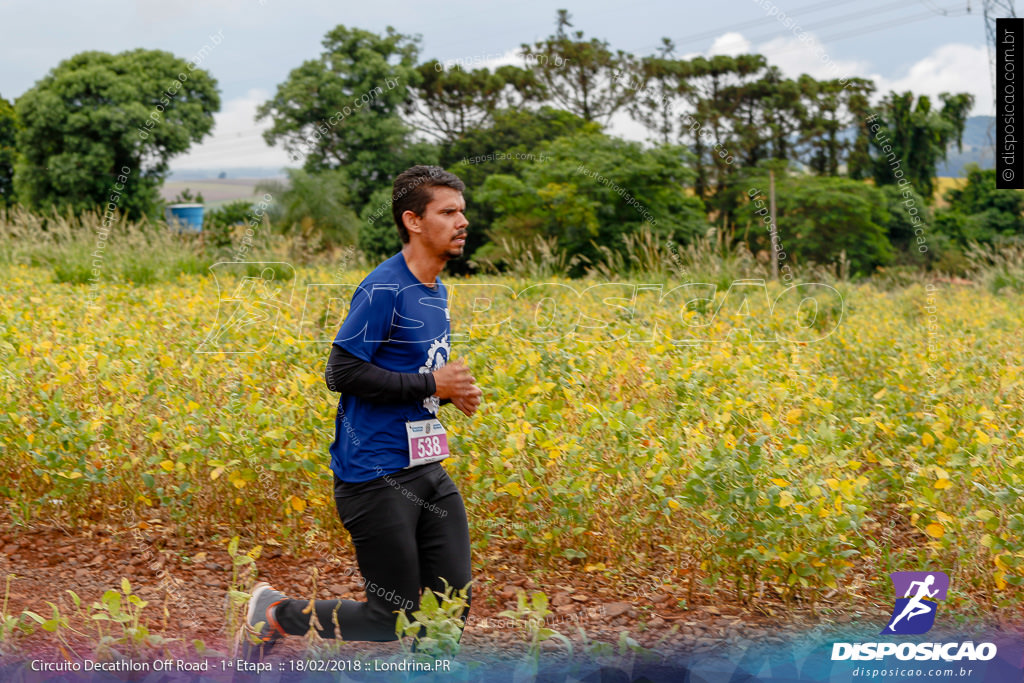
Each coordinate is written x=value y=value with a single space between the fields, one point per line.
x=488 y=60
x=794 y=57
x=485 y=60
x=237 y=139
x=731 y=44
x=952 y=68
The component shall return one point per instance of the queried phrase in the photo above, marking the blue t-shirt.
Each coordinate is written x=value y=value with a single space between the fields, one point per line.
x=400 y=324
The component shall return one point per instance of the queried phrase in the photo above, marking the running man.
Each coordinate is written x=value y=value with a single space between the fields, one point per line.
x=915 y=606
x=389 y=360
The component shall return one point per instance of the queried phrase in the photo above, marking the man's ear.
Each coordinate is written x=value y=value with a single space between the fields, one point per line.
x=412 y=222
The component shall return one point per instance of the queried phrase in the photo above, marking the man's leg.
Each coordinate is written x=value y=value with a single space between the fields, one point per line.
x=442 y=537
x=382 y=524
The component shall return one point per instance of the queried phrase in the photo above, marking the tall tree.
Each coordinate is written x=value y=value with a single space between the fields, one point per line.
x=914 y=137
x=832 y=107
x=660 y=86
x=766 y=117
x=718 y=92
x=523 y=88
x=343 y=110
x=449 y=102
x=515 y=134
x=581 y=76
x=98 y=115
x=8 y=151
x=712 y=85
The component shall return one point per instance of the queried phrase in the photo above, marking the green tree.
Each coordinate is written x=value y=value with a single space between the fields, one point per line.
x=515 y=136
x=321 y=201
x=980 y=212
x=343 y=109
x=725 y=127
x=660 y=85
x=831 y=107
x=512 y=132
x=581 y=76
x=768 y=117
x=713 y=92
x=378 y=234
x=820 y=217
x=589 y=190
x=914 y=137
x=97 y=115
x=8 y=151
x=899 y=224
x=452 y=101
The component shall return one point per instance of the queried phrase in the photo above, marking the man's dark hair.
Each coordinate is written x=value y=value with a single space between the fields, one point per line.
x=412 y=192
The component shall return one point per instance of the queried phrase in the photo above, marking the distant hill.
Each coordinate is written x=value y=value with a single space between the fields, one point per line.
x=233 y=172
x=216 y=192
x=979 y=148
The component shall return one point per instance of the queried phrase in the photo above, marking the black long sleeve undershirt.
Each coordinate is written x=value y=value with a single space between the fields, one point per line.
x=348 y=374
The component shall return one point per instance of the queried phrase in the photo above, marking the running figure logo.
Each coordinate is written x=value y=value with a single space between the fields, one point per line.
x=915 y=612
x=251 y=310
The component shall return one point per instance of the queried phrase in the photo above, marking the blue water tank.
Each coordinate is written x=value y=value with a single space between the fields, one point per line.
x=185 y=217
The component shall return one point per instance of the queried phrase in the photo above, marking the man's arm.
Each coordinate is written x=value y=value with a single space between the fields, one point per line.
x=348 y=374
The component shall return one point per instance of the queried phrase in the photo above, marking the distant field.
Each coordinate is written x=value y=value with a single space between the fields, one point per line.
x=944 y=183
x=216 y=192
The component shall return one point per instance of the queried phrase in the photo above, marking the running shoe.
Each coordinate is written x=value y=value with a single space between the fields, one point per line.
x=261 y=630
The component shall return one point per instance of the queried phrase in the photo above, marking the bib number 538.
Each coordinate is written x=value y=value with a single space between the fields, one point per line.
x=428 y=446
x=428 y=442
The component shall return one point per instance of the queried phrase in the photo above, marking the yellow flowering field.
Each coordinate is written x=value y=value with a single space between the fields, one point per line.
x=744 y=435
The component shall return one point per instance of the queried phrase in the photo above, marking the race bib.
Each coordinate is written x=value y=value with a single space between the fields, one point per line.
x=428 y=442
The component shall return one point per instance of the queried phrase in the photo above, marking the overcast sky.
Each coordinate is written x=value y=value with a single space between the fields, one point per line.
x=928 y=46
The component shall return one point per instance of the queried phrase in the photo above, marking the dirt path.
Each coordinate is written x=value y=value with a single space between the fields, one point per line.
x=191 y=583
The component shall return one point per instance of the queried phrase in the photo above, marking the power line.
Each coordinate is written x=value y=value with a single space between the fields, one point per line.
x=930 y=4
x=878 y=9
x=844 y=18
x=861 y=30
x=879 y=27
x=704 y=35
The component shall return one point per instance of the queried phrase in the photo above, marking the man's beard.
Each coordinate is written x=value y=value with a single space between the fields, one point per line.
x=451 y=253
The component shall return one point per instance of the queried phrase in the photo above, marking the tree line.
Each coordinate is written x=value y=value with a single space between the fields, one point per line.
x=533 y=145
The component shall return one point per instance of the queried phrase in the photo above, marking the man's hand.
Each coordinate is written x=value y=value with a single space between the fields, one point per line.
x=468 y=404
x=454 y=381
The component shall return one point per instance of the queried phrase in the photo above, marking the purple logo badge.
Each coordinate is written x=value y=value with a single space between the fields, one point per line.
x=917 y=594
